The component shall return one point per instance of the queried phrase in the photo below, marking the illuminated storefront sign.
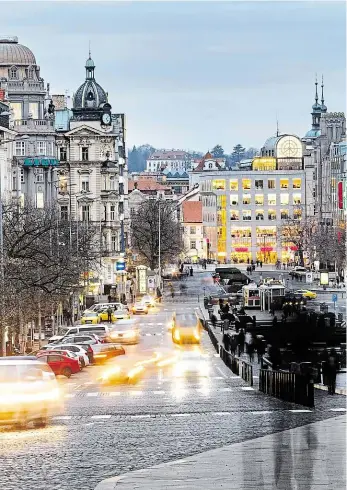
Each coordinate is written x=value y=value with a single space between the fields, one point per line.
x=324 y=278
x=264 y=163
x=241 y=249
x=40 y=162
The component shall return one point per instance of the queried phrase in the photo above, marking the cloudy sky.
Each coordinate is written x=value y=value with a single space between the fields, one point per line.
x=193 y=74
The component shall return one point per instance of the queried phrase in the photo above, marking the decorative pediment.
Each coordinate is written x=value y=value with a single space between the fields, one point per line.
x=84 y=130
x=85 y=200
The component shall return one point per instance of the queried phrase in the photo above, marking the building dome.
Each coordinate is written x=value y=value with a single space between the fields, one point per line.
x=270 y=143
x=12 y=53
x=313 y=133
x=316 y=107
x=90 y=95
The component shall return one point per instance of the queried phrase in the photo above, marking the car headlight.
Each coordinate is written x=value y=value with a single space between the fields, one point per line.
x=135 y=372
x=111 y=372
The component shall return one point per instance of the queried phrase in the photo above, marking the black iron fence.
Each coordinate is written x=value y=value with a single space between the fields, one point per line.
x=296 y=388
x=214 y=339
x=237 y=366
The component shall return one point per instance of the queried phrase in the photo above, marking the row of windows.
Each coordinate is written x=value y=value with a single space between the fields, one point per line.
x=259 y=199
x=260 y=215
x=247 y=184
x=44 y=148
x=86 y=212
x=13 y=73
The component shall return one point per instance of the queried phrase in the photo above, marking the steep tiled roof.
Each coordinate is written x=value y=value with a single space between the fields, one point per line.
x=192 y=211
x=208 y=156
x=144 y=185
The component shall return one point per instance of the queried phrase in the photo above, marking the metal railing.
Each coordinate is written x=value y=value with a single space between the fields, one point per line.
x=214 y=339
x=238 y=366
x=295 y=388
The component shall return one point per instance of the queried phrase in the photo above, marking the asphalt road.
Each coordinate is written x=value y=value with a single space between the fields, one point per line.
x=106 y=431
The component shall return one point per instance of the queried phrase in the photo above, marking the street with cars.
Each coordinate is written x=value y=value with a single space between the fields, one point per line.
x=156 y=399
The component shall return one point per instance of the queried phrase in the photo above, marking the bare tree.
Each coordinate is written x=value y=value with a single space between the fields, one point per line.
x=145 y=232
x=297 y=231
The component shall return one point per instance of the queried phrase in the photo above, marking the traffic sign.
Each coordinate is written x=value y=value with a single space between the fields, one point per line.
x=334 y=297
x=120 y=265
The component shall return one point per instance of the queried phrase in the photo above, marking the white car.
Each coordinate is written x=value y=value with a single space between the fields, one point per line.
x=82 y=354
x=191 y=363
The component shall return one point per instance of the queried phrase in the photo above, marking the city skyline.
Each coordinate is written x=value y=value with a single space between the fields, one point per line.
x=182 y=76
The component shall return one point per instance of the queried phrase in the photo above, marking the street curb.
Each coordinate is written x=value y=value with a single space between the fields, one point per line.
x=338 y=391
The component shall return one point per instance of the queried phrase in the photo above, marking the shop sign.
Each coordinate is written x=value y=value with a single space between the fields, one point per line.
x=294 y=248
x=120 y=265
x=241 y=249
x=266 y=249
x=40 y=162
x=324 y=278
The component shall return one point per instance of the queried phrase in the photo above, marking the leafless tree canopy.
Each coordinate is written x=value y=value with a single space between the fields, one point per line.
x=145 y=233
x=43 y=258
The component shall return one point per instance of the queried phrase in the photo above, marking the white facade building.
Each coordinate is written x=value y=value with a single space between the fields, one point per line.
x=93 y=174
x=243 y=210
x=172 y=160
x=6 y=156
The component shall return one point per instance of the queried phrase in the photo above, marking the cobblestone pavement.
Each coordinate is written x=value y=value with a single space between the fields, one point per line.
x=106 y=432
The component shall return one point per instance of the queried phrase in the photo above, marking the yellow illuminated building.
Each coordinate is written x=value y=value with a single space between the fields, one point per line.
x=264 y=163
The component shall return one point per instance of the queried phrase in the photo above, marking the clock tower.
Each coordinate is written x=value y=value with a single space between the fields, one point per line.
x=94 y=177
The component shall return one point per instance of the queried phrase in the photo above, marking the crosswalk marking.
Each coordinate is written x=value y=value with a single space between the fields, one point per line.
x=97 y=417
x=337 y=409
x=300 y=411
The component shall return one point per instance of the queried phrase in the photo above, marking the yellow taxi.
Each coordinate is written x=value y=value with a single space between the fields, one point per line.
x=306 y=293
x=90 y=317
x=119 y=314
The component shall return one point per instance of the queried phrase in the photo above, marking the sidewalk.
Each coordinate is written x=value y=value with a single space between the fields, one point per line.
x=309 y=457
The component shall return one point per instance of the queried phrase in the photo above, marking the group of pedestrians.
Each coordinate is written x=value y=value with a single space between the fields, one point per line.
x=244 y=342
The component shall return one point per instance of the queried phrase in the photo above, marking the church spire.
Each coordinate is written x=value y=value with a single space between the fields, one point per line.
x=323 y=106
x=316 y=97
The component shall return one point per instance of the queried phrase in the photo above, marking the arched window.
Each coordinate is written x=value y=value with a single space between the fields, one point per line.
x=210 y=165
x=30 y=73
x=13 y=73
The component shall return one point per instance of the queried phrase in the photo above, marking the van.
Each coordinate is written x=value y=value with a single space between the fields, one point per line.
x=99 y=330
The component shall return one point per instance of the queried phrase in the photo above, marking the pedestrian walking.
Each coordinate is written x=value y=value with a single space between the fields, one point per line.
x=226 y=342
x=250 y=350
x=261 y=264
x=191 y=271
x=272 y=308
x=241 y=341
x=331 y=371
x=274 y=321
x=109 y=314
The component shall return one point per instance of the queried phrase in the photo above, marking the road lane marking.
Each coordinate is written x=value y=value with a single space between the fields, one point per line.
x=337 y=409
x=114 y=393
x=148 y=334
x=100 y=417
x=62 y=417
x=94 y=393
x=300 y=411
x=226 y=389
x=217 y=377
x=247 y=388
x=69 y=395
x=221 y=413
x=219 y=369
x=144 y=416
x=158 y=392
x=180 y=414
x=261 y=412
x=136 y=392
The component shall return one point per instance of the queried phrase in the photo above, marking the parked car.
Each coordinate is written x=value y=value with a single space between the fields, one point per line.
x=74 y=349
x=61 y=364
x=99 y=330
x=23 y=381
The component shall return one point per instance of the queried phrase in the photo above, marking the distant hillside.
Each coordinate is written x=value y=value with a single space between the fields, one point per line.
x=139 y=154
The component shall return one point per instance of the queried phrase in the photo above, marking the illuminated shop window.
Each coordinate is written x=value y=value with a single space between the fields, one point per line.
x=234 y=215
x=261 y=163
x=234 y=199
x=296 y=183
x=271 y=214
x=259 y=199
x=259 y=184
x=297 y=214
x=246 y=184
x=218 y=184
x=246 y=199
x=296 y=198
x=284 y=214
x=234 y=185
x=271 y=184
x=284 y=183
x=241 y=232
x=246 y=215
x=271 y=199
x=285 y=199
x=259 y=214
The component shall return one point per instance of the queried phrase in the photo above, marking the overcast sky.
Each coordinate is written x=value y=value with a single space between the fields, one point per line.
x=191 y=75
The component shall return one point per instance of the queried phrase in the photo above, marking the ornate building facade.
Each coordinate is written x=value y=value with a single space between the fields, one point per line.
x=93 y=180
x=34 y=164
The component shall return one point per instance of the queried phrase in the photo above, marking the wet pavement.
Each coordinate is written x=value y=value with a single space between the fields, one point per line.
x=107 y=431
